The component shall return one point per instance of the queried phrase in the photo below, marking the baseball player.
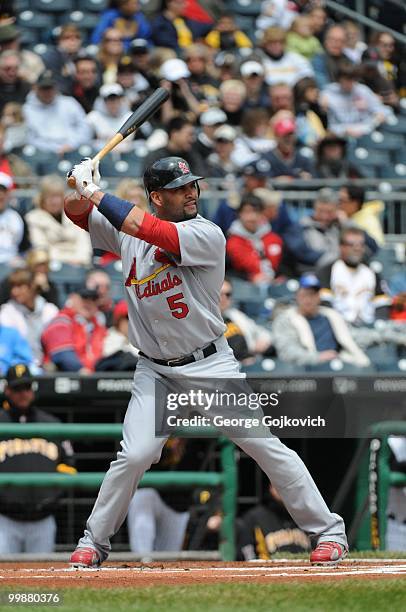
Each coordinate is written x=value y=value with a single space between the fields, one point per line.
x=173 y=269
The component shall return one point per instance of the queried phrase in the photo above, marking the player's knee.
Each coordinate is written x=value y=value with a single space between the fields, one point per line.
x=141 y=457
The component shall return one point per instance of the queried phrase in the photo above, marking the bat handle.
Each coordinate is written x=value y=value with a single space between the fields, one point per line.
x=71 y=179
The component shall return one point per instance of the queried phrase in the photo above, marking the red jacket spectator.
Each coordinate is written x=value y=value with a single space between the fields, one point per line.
x=253 y=249
x=73 y=341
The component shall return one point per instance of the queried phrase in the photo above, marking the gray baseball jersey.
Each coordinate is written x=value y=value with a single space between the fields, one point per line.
x=173 y=301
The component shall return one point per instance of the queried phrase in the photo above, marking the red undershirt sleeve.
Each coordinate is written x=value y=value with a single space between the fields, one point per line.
x=163 y=234
x=81 y=220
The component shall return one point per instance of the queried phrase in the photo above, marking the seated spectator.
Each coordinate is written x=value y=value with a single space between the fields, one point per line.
x=31 y=65
x=98 y=280
x=73 y=341
x=13 y=88
x=181 y=143
x=131 y=190
x=12 y=165
x=203 y=84
x=331 y=159
x=85 y=85
x=15 y=128
x=106 y=120
x=354 y=45
x=254 y=176
x=245 y=337
x=352 y=108
x=286 y=162
x=314 y=241
x=220 y=162
x=255 y=139
x=327 y=63
x=127 y=18
x=310 y=116
x=275 y=212
x=317 y=17
x=350 y=286
x=50 y=228
x=141 y=57
x=390 y=62
x=60 y=59
x=13 y=349
x=366 y=215
x=253 y=76
x=300 y=39
x=233 y=94
x=27 y=311
x=170 y=29
x=37 y=261
x=267 y=528
x=136 y=89
x=210 y=120
x=118 y=353
x=27 y=522
x=253 y=250
x=275 y=13
x=14 y=239
x=64 y=117
x=310 y=334
x=281 y=65
x=371 y=75
x=282 y=97
x=175 y=78
x=226 y=36
x=111 y=49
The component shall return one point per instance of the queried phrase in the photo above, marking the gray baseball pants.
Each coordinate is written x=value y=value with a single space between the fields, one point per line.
x=140 y=449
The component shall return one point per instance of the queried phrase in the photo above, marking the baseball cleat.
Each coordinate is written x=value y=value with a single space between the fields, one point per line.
x=85 y=557
x=328 y=553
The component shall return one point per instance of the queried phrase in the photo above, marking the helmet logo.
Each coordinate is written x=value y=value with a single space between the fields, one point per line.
x=184 y=167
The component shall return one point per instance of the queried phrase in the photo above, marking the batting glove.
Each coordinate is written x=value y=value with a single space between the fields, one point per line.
x=83 y=174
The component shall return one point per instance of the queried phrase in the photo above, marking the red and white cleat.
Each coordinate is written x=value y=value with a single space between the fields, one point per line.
x=328 y=553
x=85 y=557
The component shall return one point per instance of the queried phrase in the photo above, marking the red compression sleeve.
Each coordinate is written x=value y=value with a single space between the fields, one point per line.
x=81 y=220
x=163 y=234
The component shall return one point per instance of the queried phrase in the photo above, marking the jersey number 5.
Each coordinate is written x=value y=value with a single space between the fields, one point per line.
x=179 y=309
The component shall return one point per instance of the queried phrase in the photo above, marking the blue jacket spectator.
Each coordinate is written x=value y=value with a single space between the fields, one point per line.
x=13 y=349
x=326 y=65
x=128 y=19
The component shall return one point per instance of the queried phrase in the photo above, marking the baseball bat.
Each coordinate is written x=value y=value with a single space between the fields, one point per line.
x=139 y=116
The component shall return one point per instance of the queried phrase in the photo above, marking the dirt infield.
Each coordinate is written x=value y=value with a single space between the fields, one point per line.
x=58 y=575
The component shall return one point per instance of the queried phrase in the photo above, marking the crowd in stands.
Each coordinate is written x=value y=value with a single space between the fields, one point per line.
x=289 y=98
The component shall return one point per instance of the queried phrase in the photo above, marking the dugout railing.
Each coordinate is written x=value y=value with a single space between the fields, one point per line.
x=225 y=479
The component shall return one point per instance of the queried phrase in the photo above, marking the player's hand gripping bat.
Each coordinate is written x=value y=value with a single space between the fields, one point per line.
x=139 y=116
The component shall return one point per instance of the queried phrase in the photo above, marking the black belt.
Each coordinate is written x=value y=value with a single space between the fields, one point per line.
x=181 y=361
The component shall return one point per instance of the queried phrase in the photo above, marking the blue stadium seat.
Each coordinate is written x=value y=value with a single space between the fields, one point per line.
x=393 y=171
x=400 y=156
x=384 y=357
x=114 y=270
x=55 y=165
x=283 y=290
x=369 y=160
x=123 y=168
x=272 y=366
x=35 y=158
x=21 y=5
x=397 y=125
x=67 y=278
x=52 y=6
x=36 y=21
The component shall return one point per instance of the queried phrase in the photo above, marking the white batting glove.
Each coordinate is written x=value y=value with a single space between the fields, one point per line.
x=83 y=174
x=96 y=173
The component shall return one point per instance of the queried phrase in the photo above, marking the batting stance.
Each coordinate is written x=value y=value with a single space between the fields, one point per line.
x=173 y=267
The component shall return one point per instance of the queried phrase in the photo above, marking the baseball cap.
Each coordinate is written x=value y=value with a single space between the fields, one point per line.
x=19 y=375
x=225 y=132
x=120 y=311
x=46 y=79
x=284 y=126
x=213 y=116
x=259 y=168
x=110 y=90
x=6 y=181
x=174 y=69
x=125 y=65
x=309 y=281
x=250 y=68
x=8 y=33
x=138 y=46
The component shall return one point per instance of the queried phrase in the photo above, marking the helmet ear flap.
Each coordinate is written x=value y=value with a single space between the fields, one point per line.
x=197 y=188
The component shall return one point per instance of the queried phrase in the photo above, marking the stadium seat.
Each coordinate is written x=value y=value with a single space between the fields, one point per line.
x=272 y=366
x=384 y=357
x=36 y=21
x=395 y=125
x=67 y=278
x=251 y=8
x=123 y=168
x=52 y=6
x=85 y=21
x=246 y=23
x=393 y=171
x=400 y=156
x=283 y=290
x=21 y=5
x=114 y=270
x=54 y=165
x=93 y=6
x=369 y=160
x=380 y=141
x=36 y=158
